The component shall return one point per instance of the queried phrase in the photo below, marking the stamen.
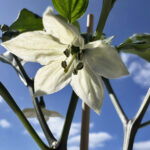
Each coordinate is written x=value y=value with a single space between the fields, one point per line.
x=79 y=66
x=69 y=65
x=64 y=64
x=80 y=56
x=75 y=71
x=67 y=52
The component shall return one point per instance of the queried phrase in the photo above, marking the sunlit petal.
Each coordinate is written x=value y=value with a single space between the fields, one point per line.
x=105 y=60
x=65 y=32
x=89 y=87
x=36 y=46
x=51 y=78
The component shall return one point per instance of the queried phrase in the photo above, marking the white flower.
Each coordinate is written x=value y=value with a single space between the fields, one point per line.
x=30 y=113
x=67 y=59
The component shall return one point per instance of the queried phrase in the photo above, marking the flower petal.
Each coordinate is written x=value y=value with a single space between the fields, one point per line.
x=89 y=87
x=36 y=46
x=30 y=113
x=65 y=32
x=51 y=78
x=105 y=60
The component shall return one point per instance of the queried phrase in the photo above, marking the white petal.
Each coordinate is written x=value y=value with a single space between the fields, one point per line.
x=51 y=78
x=36 y=46
x=30 y=113
x=49 y=113
x=89 y=87
x=65 y=32
x=105 y=60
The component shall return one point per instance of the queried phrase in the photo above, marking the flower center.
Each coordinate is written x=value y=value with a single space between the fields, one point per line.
x=76 y=55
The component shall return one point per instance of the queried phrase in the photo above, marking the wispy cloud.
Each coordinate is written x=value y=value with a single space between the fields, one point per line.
x=1 y=99
x=138 y=68
x=73 y=148
x=140 y=72
x=96 y=140
x=4 y=123
x=143 y=145
x=126 y=57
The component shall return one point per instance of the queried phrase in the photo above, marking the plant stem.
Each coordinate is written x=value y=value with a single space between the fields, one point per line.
x=12 y=104
x=67 y=124
x=134 y=124
x=106 y=8
x=131 y=126
x=48 y=134
x=144 y=124
x=26 y=77
x=115 y=102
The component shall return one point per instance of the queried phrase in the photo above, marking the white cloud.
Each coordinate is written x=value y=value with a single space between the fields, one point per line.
x=95 y=139
x=1 y=99
x=74 y=140
x=98 y=139
x=4 y=123
x=56 y=124
x=140 y=72
x=73 y=148
x=126 y=57
x=144 y=145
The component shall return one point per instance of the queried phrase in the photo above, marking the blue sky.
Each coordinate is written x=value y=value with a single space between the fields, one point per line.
x=106 y=133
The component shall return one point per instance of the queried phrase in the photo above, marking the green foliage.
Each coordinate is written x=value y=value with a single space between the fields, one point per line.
x=71 y=9
x=27 y=21
x=138 y=44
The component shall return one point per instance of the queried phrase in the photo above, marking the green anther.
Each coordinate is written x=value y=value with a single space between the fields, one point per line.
x=64 y=64
x=80 y=56
x=75 y=50
x=75 y=71
x=79 y=66
x=67 y=52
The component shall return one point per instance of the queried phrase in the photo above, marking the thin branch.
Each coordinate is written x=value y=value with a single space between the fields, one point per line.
x=115 y=102
x=28 y=80
x=144 y=124
x=12 y=104
x=143 y=107
x=69 y=118
x=106 y=8
x=48 y=134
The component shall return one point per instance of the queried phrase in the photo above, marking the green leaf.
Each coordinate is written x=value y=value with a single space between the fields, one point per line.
x=138 y=44
x=27 y=21
x=71 y=9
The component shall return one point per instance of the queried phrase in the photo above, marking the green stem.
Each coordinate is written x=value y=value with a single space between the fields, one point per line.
x=28 y=80
x=68 y=120
x=115 y=102
x=145 y=124
x=106 y=8
x=10 y=101
x=48 y=134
